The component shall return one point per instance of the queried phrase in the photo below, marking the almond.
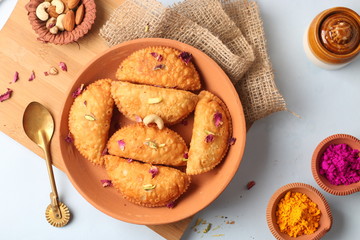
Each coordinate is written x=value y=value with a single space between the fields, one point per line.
x=79 y=16
x=72 y=3
x=66 y=9
x=69 y=21
x=52 y=11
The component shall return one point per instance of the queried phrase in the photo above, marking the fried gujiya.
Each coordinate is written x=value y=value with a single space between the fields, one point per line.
x=89 y=120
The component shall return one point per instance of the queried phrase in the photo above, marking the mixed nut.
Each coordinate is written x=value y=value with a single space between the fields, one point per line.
x=61 y=15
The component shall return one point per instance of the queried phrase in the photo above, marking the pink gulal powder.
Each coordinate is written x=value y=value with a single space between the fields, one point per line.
x=340 y=164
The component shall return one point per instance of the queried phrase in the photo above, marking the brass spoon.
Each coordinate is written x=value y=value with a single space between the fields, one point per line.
x=39 y=127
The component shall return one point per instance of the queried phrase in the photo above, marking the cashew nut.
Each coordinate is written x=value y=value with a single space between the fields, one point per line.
x=59 y=6
x=59 y=22
x=41 y=11
x=54 y=30
x=153 y=118
x=50 y=23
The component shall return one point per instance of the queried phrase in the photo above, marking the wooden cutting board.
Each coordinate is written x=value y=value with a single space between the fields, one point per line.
x=20 y=51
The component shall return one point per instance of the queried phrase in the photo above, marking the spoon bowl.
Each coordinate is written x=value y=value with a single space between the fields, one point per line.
x=39 y=126
x=37 y=119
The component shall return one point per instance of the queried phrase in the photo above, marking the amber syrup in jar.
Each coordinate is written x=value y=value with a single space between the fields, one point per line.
x=333 y=38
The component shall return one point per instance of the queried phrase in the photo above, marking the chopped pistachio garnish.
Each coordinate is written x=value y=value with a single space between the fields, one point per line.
x=89 y=117
x=162 y=145
x=207 y=228
x=148 y=187
x=154 y=100
x=209 y=133
x=185 y=159
x=147 y=27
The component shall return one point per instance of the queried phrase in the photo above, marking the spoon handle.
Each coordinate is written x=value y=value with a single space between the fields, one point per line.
x=53 y=195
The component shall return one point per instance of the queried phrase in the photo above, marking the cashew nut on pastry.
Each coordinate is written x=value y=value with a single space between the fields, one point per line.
x=153 y=118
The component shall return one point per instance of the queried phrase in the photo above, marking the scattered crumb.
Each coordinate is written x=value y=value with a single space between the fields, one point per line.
x=218 y=235
x=207 y=229
x=198 y=221
x=230 y=222
x=215 y=228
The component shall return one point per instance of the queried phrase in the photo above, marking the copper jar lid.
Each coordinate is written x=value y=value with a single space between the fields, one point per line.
x=334 y=35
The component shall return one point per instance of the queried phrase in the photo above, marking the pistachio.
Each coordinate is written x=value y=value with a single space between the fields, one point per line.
x=155 y=100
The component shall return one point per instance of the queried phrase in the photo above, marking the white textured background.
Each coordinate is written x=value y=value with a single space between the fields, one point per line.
x=278 y=151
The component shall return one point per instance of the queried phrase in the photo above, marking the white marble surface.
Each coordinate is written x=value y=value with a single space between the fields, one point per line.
x=278 y=151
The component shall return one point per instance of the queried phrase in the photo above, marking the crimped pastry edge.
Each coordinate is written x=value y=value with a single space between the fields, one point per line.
x=192 y=88
x=99 y=161
x=135 y=201
x=142 y=125
x=202 y=94
x=127 y=115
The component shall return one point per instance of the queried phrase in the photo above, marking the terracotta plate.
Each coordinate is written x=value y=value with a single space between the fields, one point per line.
x=204 y=188
x=315 y=196
x=340 y=190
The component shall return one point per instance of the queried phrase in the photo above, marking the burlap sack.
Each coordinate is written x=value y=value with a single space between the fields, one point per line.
x=210 y=15
x=149 y=18
x=258 y=92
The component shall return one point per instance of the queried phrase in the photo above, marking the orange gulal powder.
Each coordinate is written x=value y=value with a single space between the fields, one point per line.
x=297 y=215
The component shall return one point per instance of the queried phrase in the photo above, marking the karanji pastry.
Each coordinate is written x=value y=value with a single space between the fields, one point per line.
x=163 y=66
x=89 y=120
x=148 y=144
x=145 y=184
x=211 y=132
x=137 y=101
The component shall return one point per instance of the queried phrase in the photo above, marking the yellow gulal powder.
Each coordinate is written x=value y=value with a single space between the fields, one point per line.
x=297 y=215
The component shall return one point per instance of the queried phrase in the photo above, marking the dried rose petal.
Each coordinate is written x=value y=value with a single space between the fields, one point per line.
x=157 y=56
x=69 y=138
x=171 y=204
x=6 y=95
x=138 y=119
x=232 y=141
x=185 y=157
x=154 y=171
x=16 y=77
x=185 y=57
x=184 y=122
x=32 y=76
x=104 y=152
x=121 y=144
x=218 y=119
x=78 y=91
x=85 y=103
x=209 y=138
x=129 y=160
x=250 y=185
x=106 y=182
x=160 y=66
x=46 y=74
x=63 y=66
